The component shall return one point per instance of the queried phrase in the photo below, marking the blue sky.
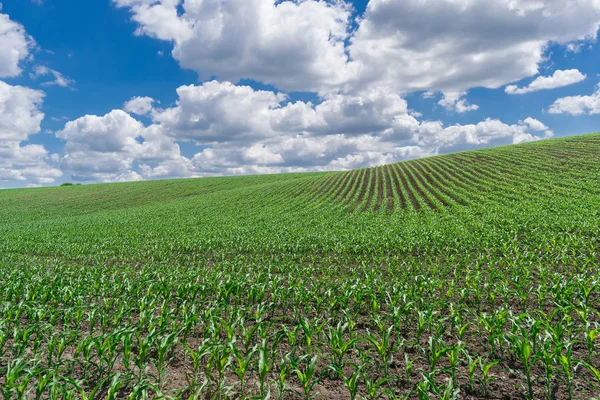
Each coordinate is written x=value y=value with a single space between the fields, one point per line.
x=224 y=87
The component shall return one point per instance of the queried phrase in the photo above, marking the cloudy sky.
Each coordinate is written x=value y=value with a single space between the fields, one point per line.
x=121 y=90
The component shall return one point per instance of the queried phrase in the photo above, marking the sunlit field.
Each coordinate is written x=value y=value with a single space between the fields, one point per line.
x=465 y=276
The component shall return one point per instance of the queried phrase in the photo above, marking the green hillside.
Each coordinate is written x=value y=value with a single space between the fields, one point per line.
x=474 y=274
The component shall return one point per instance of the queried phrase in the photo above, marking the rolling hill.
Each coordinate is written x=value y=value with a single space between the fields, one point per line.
x=467 y=275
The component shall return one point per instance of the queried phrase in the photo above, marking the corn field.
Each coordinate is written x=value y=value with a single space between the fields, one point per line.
x=466 y=276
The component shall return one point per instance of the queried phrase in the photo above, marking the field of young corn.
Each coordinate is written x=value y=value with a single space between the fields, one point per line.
x=468 y=276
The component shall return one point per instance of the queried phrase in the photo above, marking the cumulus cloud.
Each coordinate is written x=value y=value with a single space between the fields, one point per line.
x=220 y=112
x=577 y=105
x=243 y=130
x=295 y=45
x=58 y=78
x=20 y=117
x=224 y=112
x=557 y=80
x=449 y=45
x=456 y=101
x=490 y=132
x=104 y=148
x=409 y=45
x=139 y=105
x=15 y=46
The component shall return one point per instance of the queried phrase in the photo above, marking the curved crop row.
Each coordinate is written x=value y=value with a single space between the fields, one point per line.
x=498 y=176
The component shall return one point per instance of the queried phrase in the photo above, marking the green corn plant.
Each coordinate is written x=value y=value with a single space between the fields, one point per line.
x=435 y=352
x=307 y=377
x=140 y=391
x=164 y=350
x=447 y=392
x=263 y=368
x=408 y=367
x=285 y=368
x=338 y=345
x=352 y=381
x=374 y=388
x=144 y=344
x=546 y=356
x=242 y=365
x=522 y=348
x=196 y=356
x=486 y=378
x=291 y=336
x=43 y=379
x=564 y=358
x=126 y=340
x=115 y=384
x=594 y=371
x=591 y=332
x=453 y=359
x=383 y=347
x=219 y=359
x=472 y=364
x=14 y=373
x=494 y=325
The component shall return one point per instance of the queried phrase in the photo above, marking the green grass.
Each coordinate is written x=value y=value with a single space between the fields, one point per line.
x=468 y=275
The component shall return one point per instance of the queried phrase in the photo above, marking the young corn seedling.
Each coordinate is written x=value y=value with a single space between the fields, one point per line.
x=115 y=385
x=454 y=359
x=591 y=331
x=435 y=352
x=486 y=378
x=546 y=355
x=373 y=387
x=307 y=377
x=196 y=357
x=264 y=366
x=567 y=365
x=494 y=325
x=142 y=357
x=164 y=353
x=522 y=349
x=595 y=373
x=447 y=392
x=383 y=348
x=242 y=365
x=284 y=371
x=351 y=382
x=472 y=366
x=219 y=359
x=292 y=336
x=338 y=345
x=408 y=367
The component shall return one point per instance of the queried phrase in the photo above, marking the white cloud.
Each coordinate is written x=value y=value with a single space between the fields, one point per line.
x=20 y=111
x=456 y=101
x=15 y=46
x=244 y=130
x=409 y=45
x=220 y=112
x=139 y=105
x=20 y=117
x=451 y=46
x=534 y=124
x=487 y=133
x=59 y=79
x=295 y=45
x=577 y=105
x=557 y=80
x=537 y=126
x=105 y=147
